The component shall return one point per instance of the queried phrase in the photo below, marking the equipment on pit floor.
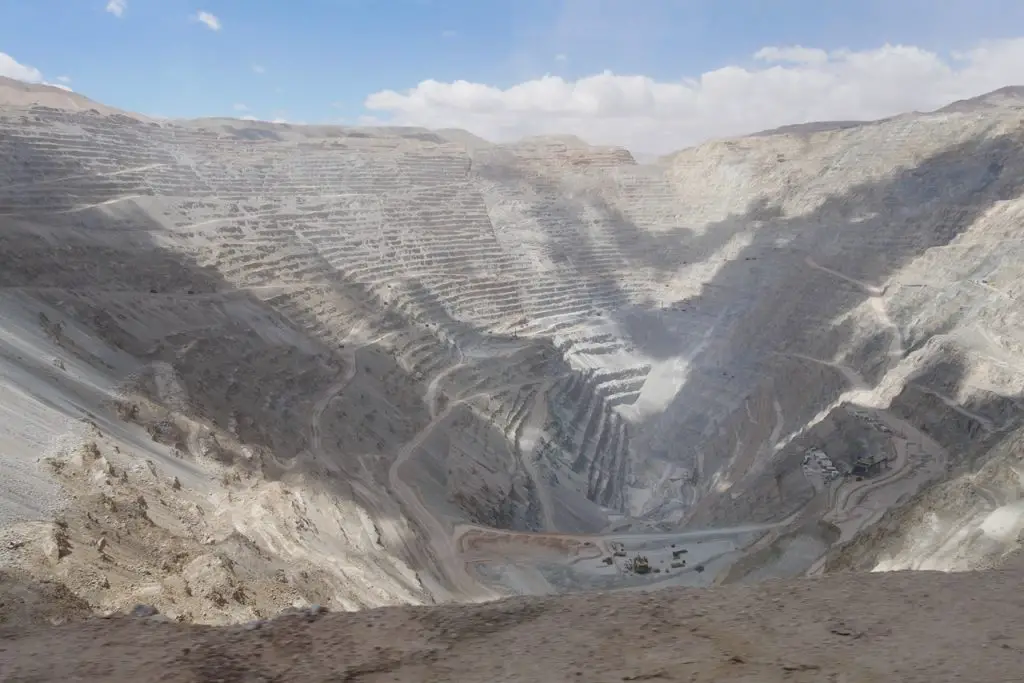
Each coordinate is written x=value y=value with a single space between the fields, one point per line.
x=869 y=466
x=641 y=565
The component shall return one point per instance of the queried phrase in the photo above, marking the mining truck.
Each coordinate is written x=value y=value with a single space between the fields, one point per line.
x=641 y=565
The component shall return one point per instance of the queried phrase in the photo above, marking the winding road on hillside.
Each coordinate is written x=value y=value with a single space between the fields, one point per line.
x=443 y=543
x=452 y=551
x=919 y=458
x=333 y=390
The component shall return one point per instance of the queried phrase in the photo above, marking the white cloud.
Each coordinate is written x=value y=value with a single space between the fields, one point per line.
x=782 y=85
x=211 y=21
x=278 y=120
x=64 y=79
x=256 y=68
x=281 y=117
x=117 y=7
x=449 y=33
x=240 y=107
x=12 y=68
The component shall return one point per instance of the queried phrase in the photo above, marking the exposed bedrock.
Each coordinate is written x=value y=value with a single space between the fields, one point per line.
x=543 y=336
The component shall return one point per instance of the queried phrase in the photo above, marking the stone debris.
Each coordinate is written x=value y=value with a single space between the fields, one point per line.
x=143 y=611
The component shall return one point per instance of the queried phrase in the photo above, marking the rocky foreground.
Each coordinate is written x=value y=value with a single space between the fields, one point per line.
x=849 y=628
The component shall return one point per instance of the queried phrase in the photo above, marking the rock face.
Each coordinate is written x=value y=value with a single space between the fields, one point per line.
x=336 y=354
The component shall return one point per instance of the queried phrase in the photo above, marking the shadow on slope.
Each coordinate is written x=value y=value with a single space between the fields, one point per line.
x=914 y=210
x=593 y=242
x=973 y=518
x=783 y=299
x=777 y=296
x=948 y=499
x=160 y=305
x=235 y=377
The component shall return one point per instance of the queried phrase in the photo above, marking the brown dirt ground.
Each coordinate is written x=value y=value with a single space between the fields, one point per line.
x=850 y=628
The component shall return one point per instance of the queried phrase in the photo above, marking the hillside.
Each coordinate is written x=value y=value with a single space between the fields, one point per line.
x=245 y=366
x=917 y=627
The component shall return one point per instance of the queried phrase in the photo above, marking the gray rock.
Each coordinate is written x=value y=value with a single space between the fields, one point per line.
x=144 y=611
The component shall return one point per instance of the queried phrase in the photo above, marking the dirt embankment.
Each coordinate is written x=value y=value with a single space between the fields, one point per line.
x=855 y=628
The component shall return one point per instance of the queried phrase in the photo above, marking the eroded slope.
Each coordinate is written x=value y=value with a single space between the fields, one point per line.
x=350 y=355
x=905 y=626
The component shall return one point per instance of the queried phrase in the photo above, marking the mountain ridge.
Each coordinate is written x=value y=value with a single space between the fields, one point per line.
x=11 y=88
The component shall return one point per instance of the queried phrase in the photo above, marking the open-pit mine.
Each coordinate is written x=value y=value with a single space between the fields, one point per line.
x=248 y=366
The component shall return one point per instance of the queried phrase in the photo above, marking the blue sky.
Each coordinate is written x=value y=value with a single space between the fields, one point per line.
x=322 y=58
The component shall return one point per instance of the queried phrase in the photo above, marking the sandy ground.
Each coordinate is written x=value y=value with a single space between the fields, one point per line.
x=900 y=626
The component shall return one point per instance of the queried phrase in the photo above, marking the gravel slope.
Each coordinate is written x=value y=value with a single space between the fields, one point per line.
x=854 y=628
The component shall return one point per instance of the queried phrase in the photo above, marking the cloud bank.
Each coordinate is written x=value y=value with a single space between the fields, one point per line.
x=12 y=68
x=780 y=85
